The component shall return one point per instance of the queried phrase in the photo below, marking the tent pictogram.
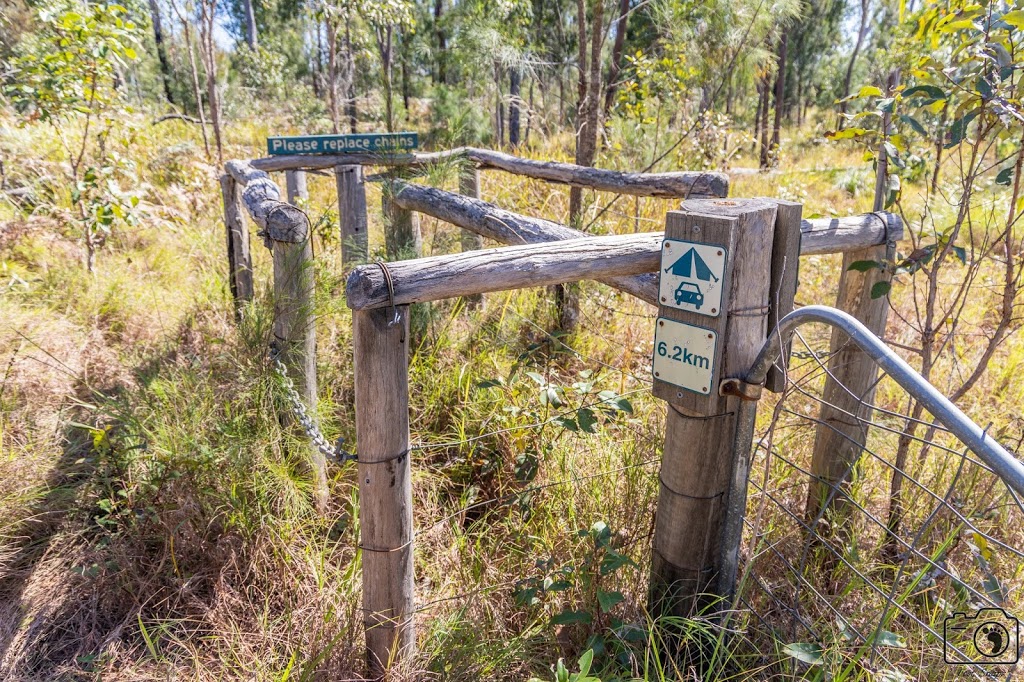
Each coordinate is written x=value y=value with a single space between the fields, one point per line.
x=692 y=266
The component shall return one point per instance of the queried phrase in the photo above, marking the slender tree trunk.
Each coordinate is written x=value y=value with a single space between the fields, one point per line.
x=251 y=38
x=318 y=61
x=780 y=96
x=442 y=44
x=766 y=89
x=587 y=122
x=161 y=50
x=617 y=47
x=332 y=74
x=529 y=114
x=861 y=34
x=197 y=92
x=514 y=82
x=384 y=36
x=209 y=13
x=587 y=111
x=757 y=115
x=940 y=143
x=404 y=59
x=350 y=74
x=799 y=98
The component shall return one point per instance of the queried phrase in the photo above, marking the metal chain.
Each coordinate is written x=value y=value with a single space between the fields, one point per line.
x=338 y=454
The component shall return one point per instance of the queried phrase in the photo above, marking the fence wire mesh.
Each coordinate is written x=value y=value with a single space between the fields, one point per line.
x=908 y=567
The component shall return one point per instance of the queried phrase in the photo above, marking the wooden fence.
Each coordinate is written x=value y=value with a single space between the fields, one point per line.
x=703 y=476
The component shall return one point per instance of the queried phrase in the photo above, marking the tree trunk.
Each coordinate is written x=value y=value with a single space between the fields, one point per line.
x=384 y=36
x=442 y=44
x=406 y=91
x=350 y=73
x=161 y=50
x=780 y=96
x=250 y=25
x=210 y=49
x=861 y=34
x=318 y=61
x=514 y=81
x=332 y=73
x=616 y=66
x=529 y=114
x=588 y=110
x=765 y=89
x=186 y=24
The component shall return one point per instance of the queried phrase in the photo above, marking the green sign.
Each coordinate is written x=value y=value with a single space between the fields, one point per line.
x=344 y=144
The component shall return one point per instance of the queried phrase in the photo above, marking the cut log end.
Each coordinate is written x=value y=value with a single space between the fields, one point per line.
x=286 y=223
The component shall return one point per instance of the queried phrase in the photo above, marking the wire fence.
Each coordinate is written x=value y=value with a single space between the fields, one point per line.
x=907 y=568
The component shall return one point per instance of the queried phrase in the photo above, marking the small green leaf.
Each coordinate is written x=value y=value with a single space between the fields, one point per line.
x=607 y=600
x=931 y=91
x=961 y=254
x=585 y=660
x=1005 y=176
x=880 y=289
x=870 y=91
x=846 y=134
x=806 y=652
x=1014 y=18
x=865 y=265
x=886 y=638
x=572 y=618
x=914 y=123
x=587 y=420
x=958 y=131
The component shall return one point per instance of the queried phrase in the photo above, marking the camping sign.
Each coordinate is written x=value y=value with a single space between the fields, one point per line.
x=691 y=276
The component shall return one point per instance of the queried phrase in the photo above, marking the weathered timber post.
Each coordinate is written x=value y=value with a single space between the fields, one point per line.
x=385 y=487
x=295 y=180
x=785 y=271
x=352 y=215
x=239 y=258
x=710 y=328
x=850 y=384
x=294 y=325
x=402 y=237
x=469 y=185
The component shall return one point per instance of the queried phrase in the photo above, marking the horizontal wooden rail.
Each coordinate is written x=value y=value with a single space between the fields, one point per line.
x=680 y=184
x=510 y=267
x=279 y=220
x=818 y=236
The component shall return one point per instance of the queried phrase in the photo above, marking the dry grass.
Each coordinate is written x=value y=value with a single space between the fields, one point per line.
x=155 y=520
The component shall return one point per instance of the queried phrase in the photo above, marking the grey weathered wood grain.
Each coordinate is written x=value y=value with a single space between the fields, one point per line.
x=295 y=329
x=402 y=236
x=354 y=225
x=469 y=185
x=822 y=235
x=850 y=385
x=507 y=227
x=295 y=183
x=699 y=457
x=785 y=269
x=849 y=233
x=385 y=485
x=237 y=234
x=279 y=220
x=510 y=267
x=673 y=184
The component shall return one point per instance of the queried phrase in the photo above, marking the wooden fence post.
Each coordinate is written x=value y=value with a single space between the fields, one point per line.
x=385 y=487
x=294 y=326
x=296 y=183
x=469 y=185
x=850 y=384
x=352 y=215
x=701 y=426
x=239 y=259
x=402 y=237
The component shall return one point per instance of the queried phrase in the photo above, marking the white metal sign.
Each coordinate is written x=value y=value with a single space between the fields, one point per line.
x=692 y=276
x=684 y=355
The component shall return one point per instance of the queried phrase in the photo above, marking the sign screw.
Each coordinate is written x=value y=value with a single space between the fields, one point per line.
x=657 y=374
x=719 y=252
x=663 y=299
x=660 y=323
x=714 y=310
x=667 y=245
x=711 y=336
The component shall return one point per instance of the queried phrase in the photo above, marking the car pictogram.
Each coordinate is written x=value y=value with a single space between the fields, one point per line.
x=688 y=292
